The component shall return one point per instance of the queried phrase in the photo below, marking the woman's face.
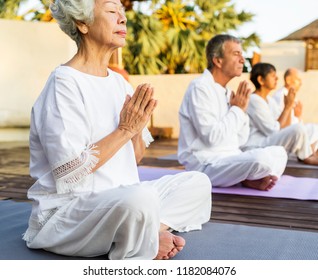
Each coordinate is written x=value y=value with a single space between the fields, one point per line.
x=109 y=27
x=270 y=81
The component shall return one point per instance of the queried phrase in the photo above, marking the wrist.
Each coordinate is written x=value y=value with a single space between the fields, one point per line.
x=125 y=133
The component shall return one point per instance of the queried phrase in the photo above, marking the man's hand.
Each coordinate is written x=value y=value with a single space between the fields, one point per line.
x=298 y=109
x=242 y=96
x=289 y=99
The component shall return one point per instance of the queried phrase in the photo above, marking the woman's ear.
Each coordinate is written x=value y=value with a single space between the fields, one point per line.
x=260 y=80
x=82 y=27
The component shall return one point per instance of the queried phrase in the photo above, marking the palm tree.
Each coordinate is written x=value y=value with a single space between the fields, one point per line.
x=145 y=41
x=179 y=47
x=184 y=47
x=40 y=14
x=171 y=40
x=9 y=8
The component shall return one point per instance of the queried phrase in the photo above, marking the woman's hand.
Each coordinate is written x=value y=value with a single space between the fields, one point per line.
x=137 y=110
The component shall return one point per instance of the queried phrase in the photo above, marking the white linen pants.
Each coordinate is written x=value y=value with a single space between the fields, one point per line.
x=251 y=165
x=124 y=222
x=294 y=139
x=312 y=131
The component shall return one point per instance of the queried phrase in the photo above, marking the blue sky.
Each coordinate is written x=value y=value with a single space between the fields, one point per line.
x=274 y=19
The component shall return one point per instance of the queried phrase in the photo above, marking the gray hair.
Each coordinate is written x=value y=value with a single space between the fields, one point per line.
x=68 y=12
x=215 y=47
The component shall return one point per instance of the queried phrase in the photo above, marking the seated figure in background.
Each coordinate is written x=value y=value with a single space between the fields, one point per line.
x=214 y=124
x=292 y=79
x=268 y=128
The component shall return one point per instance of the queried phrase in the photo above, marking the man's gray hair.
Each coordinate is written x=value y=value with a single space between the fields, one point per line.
x=68 y=12
x=215 y=47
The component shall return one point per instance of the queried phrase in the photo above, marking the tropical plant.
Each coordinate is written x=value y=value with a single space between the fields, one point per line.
x=186 y=26
x=9 y=8
x=145 y=41
x=183 y=46
x=40 y=13
x=169 y=37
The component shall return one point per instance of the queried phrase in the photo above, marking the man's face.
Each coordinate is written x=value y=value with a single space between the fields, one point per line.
x=233 y=61
x=295 y=81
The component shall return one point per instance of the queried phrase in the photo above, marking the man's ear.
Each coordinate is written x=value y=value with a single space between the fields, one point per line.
x=82 y=27
x=217 y=61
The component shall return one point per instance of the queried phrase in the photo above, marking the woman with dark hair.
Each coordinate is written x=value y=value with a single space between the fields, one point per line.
x=266 y=130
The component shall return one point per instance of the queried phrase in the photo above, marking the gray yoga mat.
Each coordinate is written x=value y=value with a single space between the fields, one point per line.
x=215 y=241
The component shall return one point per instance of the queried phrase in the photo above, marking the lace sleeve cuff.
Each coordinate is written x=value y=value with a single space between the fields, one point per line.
x=70 y=174
x=147 y=137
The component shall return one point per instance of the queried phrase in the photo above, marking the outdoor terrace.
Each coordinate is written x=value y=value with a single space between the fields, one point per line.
x=234 y=209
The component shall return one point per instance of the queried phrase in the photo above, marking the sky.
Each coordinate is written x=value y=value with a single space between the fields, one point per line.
x=273 y=20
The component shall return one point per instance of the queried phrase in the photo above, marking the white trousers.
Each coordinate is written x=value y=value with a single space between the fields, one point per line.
x=251 y=165
x=312 y=131
x=124 y=222
x=294 y=139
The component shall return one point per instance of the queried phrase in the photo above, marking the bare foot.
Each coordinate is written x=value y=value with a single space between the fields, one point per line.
x=313 y=159
x=169 y=245
x=263 y=184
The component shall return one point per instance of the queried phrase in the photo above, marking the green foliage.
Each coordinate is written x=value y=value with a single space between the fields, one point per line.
x=177 y=44
x=9 y=8
x=145 y=40
x=170 y=37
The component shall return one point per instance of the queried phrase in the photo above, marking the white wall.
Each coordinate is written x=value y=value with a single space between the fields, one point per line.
x=284 y=54
x=169 y=90
x=30 y=51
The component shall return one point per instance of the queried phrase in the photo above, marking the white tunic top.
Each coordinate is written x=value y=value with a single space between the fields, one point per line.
x=278 y=96
x=263 y=119
x=209 y=127
x=74 y=111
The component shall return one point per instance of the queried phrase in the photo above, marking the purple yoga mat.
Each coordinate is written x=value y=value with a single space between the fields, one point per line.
x=153 y=173
x=287 y=186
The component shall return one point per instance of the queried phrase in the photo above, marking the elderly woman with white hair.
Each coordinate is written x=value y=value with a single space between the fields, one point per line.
x=88 y=131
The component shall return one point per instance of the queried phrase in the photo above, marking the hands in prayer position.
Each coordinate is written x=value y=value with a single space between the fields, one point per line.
x=289 y=99
x=137 y=110
x=242 y=96
x=298 y=109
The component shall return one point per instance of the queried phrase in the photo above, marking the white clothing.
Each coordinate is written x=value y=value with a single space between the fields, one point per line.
x=312 y=128
x=80 y=213
x=211 y=133
x=278 y=96
x=266 y=131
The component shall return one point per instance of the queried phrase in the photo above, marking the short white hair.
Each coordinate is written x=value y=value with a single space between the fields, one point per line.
x=68 y=12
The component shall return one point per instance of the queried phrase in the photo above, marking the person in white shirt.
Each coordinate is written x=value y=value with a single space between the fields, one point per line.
x=292 y=79
x=214 y=124
x=270 y=126
x=88 y=131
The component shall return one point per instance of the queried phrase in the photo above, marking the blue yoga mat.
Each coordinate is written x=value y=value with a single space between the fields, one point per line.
x=215 y=241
